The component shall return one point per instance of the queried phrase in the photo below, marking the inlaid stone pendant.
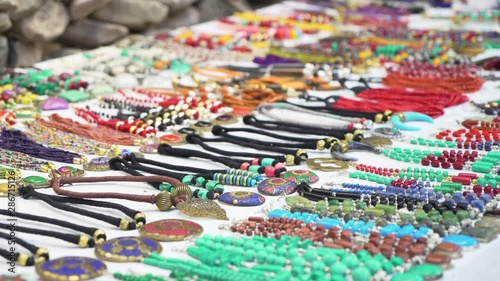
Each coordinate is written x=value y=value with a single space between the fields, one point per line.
x=242 y=198
x=276 y=187
x=299 y=176
x=70 y=269
x=36 y=181
x=127 y=249
x=70 y=172
x=99 y=164
x=171 y=230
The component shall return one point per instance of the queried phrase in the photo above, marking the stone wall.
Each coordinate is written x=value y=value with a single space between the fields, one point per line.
x=32 y=30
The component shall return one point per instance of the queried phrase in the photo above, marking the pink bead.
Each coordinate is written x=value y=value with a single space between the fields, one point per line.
x=280 y=165
x=244 y=166
x=269 y=171
x=255 y=161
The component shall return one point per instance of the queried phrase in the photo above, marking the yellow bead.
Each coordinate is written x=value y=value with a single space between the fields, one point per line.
x=8 y=87
x=436 y=62
x=26 y=100
x=398 y=59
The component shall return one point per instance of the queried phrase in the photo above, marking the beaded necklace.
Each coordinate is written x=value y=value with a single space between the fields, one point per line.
x=18 y=160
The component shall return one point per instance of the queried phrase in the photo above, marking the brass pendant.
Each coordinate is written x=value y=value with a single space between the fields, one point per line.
x=68 y=172
x=225 y=119
x=202 y=208
x=173 y=139
x=377 y=141
x=127 y=249
x=99 y=164
x=327 y=164
x=71 y=269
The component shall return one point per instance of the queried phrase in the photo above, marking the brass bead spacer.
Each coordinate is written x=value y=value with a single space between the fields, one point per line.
x=44 y=169
x=83 y=242
x=320 y=145
x=401 y=116
x=124 y=224
x=137 y=142
x=137 y=217
x=99 y=240
x=289 y=160
x=22 y=259
x=387 y=112
x=100 y=151
x=301 y=152
x=164 y=201
x=182 y=190
x=378 y=118
x=344 y=146
x=40 y=253
x=349 y=137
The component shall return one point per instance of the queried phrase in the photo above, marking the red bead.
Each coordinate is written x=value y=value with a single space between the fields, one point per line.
x=425 y=162
x=458 y=165
x=495 y=191
x=462 y=180
x=435 y=164
x=269 y=171
x=488 y=189
x=446 y=165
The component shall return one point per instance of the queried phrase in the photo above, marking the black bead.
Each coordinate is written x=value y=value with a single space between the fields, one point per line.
x=427 y=207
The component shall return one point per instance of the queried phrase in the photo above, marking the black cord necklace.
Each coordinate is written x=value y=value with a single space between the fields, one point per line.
x=98 y=235
x=29 y=192
x=38 y=254
x=83 y=241
x=165 y=149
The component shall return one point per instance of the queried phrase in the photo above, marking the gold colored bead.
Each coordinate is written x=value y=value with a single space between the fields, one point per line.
x=301 y=153
x=358 y=132
x=83 y=242
x=124 y=223
x=101 y=151
x=401 y=116
x=344 y=146
x=132 y=129
x=164 y=201
x=320 y=145
x=289 y=160
x=22 y=259
x=44 y=169
x=378 y=118
x=137 y=217
x=494 y=104
x=182 y=190
x=137 y=142
x=40 y=253
x=387 y=112
x=487 y=105
x=99 y=240
x=77 y=161
x=349 y=137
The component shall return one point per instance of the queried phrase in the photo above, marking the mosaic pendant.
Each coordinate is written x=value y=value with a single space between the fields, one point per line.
x=36 y=181
x=149 y=148
x=69 y=172
x=242 y=198
x=298 y=176
x=173 y=139
x=276 y=187
x=171 y=230
x=71 y=269
x=127 y=249
x=99 y=164
x=225 y=119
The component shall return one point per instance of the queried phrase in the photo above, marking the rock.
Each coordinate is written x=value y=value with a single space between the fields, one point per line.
x=186 y=17
x=5 y=23
x=80 y=9
x=46 y=24
x=176 y=5
x=137 y=15
x=65 y=52
x=6 y=5
x=4 y=51
x=24 y=54
x=24 y=8
x=213 y=9
x=90 y=33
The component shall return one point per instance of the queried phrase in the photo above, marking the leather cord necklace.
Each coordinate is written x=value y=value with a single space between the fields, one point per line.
x=39 y=254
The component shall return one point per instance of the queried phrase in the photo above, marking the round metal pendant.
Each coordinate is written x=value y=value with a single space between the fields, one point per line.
x=242 y=198
x=276 y=187
x=173 y=139
x=99 y=164
x=70 y=269
x=127 y=249
x=169 y=230
x=225 y=119
x=149 y=148
x=298 y=176
x=70 y=172
x=35 y=181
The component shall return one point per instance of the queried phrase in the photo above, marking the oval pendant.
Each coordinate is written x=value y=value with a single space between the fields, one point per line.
x=99 y=164
x=298 y=176
x=70 y=172
x=127 y=249
x=387 y=132
x=169 y=230
x=71 y=269
x=36 y=181
x=276 y=187
x=242 y=198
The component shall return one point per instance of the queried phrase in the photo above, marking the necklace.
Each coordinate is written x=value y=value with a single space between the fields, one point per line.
x=18 y=160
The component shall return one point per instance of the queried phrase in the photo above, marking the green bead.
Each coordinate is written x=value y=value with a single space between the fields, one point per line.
x=427 y=271
x=261 y=256
x=350 y=260
x=266 y=162
x=330 y=259
x=338 y=268
x=396 y=261
x=388 y=209
x=375 y=212
x=361 y=274
x=420 y=214
x=406 y=277
x=318 y=265
x=463 y=214
x=337 y=277
x=310 y=255
x=387 y=267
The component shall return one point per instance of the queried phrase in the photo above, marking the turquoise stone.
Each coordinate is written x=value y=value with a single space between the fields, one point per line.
x=461 y=240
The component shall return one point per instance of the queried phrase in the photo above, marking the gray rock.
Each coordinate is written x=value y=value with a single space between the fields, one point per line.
x=25 y=54
x=5 y=23
x=89 y=33
x=80 y=9
x=177 y=5
x=213 y=9
x=186 y=17
x=6 y=5
x=65 y=52
x=24 y=8
x=137 y=15
x=4 y=51
x=46 y=24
